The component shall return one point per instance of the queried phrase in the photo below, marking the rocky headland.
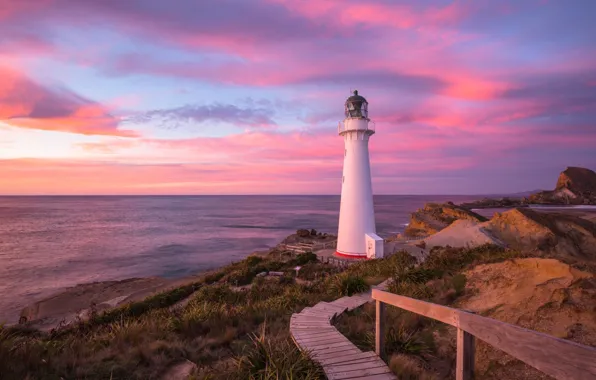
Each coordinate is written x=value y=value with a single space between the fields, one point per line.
x=575 y=186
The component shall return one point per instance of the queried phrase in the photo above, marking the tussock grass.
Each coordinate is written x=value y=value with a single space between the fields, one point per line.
x=346 y=284
x=276 y=359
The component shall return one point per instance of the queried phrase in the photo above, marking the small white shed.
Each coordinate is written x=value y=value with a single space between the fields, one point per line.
x=374 y=246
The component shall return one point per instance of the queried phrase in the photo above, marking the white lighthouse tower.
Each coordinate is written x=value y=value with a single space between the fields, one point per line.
x=357 y=236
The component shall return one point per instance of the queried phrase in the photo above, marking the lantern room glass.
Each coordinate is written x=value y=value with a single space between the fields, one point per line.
x=356 y=107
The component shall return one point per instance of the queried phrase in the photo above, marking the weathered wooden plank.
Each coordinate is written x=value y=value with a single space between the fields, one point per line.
x=438 y=312
x=380 y=329
x=559 y=358
x=371 y=363
x=320 y=330
x=348 y=358
x=302 y=317
x=358 y=373
x=321 y=338
x=310 y=323
x=465 y=356
x=314 y=330
x=318 y=346
x=305 y=319
x=310 y=316
x=344 y=350
x=383 y=376
x=328 y=314
x=305 y=334
x=325 y=305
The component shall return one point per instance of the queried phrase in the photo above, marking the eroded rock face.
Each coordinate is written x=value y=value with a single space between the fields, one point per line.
x=433 y=217
x=574 y=186
x=553 y=234
x=545 y=295
x=579 y=180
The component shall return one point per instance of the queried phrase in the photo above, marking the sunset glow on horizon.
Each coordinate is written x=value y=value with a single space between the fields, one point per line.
x=244 y=97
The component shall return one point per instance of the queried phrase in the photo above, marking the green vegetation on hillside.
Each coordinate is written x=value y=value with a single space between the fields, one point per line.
x=234 y=324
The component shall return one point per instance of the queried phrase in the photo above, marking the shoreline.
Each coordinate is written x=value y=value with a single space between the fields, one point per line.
x=50 y=310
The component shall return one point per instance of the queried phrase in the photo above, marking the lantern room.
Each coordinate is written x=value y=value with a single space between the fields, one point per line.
x=356 y=107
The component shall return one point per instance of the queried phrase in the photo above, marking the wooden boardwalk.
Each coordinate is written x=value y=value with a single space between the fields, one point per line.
x=312 y=331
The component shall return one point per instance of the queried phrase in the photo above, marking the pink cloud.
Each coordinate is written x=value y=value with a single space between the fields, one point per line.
x=27 y=104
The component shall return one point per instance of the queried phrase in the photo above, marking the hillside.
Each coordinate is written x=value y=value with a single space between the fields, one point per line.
x=233 y=323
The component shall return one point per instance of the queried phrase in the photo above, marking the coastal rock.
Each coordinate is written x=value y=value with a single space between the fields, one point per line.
x=433 y=217
x=575 y=186
x=462 y=233
x=561 y=235
x=180 y=371
x=545 y=295
x=81 y=300
x=303 y=233
x=505 y=202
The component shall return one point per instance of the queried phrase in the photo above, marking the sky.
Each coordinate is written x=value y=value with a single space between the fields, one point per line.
x=244 y=96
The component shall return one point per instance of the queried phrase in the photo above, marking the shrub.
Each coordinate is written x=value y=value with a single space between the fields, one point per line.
x=411 y=289
x=346 y=284
x=214 y=277
x=136 y=309
x=303 y=258
x=459 y=283
x=279 y=359
x=253 y=260
x=303 y=233
x=401 y=340
x=410 y=368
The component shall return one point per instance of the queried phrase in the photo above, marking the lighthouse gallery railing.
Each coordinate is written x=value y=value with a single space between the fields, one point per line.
x=341 y=127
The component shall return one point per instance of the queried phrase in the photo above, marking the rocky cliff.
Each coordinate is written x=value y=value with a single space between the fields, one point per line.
x=545 y=295
x=433 y=217
x=574 y=186
x=564 y=236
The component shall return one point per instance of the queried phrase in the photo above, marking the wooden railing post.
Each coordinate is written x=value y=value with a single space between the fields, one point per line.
x=380 y=330
x=465 y=355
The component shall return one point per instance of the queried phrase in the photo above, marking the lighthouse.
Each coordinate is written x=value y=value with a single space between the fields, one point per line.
x=356 y=236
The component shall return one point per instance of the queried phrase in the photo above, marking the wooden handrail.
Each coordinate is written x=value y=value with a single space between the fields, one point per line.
x=556 y=357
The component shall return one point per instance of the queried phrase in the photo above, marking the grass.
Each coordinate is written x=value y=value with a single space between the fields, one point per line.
x=143 y=339
x=236 y=333
x=416 y=345
x=346 y=284
x=274 y=359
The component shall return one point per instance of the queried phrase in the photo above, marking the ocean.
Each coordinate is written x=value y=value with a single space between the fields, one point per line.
x=50 y=243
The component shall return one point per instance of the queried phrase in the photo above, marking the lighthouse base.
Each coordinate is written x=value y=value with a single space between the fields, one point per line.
x=356 y=256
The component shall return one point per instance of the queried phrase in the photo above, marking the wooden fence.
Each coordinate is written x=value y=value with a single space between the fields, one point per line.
x=559 y=358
